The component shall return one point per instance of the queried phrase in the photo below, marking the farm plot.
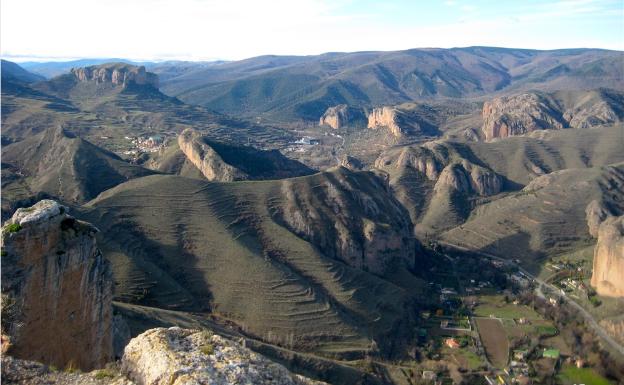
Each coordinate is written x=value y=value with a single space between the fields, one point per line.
x=494 y=341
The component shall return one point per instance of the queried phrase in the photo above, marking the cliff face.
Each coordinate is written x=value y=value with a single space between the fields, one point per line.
x=341 y=115
x=224 y=162
x=466 y=177
x=609 y=258
x=117 y=74
x=519 y=114
x=56 y=289
x=385 y=117
x=421 y=158
x=177 y=356
x=368 y=228
x=524 y=113
x=206 y=159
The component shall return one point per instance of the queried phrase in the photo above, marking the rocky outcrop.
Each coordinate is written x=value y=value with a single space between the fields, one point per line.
x=206 y=159
x=385 y=117
x=226 y=163
x=353 y=164
x=118 y=74
x=465 y=177
x=56 y=289
x=608 y=268
x=596 y=213
x=422 y=158
x=177 y=356
x=16 y=371
x=588 y=116
x=519 y=114
x=339 y=116
x=368 y=228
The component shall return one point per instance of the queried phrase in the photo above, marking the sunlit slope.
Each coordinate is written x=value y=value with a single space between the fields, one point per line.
x=181 y=243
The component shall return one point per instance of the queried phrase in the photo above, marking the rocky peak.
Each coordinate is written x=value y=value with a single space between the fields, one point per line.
x=519 y=114
x=369 y=228
x=339 y=116
x=226 y=162
x=466 y=177
x=117 y=74
x=385 y=117
x=206 y=159
x=56 y=289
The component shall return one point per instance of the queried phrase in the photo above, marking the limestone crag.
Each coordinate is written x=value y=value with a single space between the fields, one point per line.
x=206 y=159
x=339 y=116
x=590 y=116
x=608 y=268
x=385 y=117
x=465 y=177
x=118 y=74
x=369 y=228
x=596 y=213
x=519 y=114
x=177 y=356
x=425 y=160
x=56 y=289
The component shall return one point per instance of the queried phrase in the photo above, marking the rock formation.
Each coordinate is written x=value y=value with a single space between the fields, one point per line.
x=385 y=117
x=56 y=289
x=608 y=270
x=369 y=228
x=177 y=356
x=339 y=116
x=519 y=114
x=596 y=213
x=524 y=113
x=465 y=177
x=206 y=159
x=227 y=163
x=424 y=159
x=118 y=74
x=352 y=163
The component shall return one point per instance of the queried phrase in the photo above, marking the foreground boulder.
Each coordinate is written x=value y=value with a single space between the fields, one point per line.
x=56 y=289
x=178 y=356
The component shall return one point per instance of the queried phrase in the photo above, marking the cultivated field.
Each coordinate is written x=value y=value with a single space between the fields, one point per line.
x=494 y=340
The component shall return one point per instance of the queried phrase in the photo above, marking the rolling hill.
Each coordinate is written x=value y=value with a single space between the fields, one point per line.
x=240 y=251
x=302 y=88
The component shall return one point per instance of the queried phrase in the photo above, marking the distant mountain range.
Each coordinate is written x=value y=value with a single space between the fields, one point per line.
x=287 y=88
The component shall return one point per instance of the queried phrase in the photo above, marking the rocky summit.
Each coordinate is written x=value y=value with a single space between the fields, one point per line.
x=118 y=74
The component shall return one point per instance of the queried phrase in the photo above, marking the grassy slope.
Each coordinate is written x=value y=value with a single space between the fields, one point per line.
x=181 y=243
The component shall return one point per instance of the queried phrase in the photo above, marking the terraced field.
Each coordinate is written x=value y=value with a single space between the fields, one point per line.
x=185 y=244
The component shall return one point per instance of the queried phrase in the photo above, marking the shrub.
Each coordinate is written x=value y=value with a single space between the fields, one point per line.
x=104 y=373
x=13 y=228
x=207 y=349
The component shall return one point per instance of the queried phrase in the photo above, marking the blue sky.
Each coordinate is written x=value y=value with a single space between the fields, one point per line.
x=236 y=29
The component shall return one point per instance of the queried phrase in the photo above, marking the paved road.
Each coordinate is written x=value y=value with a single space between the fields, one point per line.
x=589 y=319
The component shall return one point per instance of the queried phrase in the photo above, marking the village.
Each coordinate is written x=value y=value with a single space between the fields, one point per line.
x=483 y=328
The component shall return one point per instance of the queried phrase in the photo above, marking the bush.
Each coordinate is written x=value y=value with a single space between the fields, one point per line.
x=207 y=349
x=13 y=228
x=104 y=373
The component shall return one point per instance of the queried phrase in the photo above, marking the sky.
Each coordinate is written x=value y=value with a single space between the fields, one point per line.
x=237 y=29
